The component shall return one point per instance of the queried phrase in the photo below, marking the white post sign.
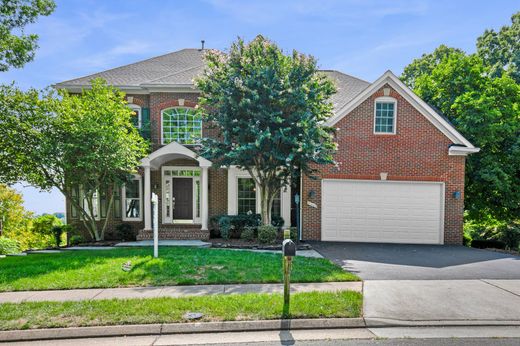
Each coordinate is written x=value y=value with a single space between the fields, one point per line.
x=155 y=208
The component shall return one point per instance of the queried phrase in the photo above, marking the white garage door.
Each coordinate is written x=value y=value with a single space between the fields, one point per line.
x=382 y=211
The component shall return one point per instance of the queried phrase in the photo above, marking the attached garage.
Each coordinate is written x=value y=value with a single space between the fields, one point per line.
x=382 y=211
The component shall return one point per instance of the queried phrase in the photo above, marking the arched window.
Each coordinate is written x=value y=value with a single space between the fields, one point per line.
x=181 y=125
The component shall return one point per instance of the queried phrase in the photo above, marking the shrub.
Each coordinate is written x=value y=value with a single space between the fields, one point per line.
x=294 y=233
x=76 y=239
x=267 y=234
x=57 y=232
x=277 y=221
x=125 y=232
x=466 y=240
x=488 y=244
x=507 y=233
x=224 y=224
x=248 y=233
x=231 y=226
x=9 y=246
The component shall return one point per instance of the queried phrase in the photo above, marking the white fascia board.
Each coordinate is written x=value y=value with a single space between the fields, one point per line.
x=389 y=78
x=462 y=151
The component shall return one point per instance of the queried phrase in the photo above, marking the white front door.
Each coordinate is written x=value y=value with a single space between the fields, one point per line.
x=382 y=211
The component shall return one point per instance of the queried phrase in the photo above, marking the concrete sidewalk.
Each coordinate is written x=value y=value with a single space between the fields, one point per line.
x=441 y=302
x=169 y=291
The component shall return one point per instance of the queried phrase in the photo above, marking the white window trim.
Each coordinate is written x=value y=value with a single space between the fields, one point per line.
x=162 y=128
x=170 y=220
x=233 y=174
x=257 y=194
x=123 y=201
x=85 y=206
x=139 y=110
x=385 y=99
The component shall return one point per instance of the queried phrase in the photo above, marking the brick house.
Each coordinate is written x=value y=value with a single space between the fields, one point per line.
x=399 y=177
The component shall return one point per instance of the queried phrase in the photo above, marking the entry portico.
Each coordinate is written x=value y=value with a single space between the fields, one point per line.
x=191 y=184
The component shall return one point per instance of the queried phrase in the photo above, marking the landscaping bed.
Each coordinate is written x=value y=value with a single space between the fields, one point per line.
x=254 y=306
x=176 y=266
x=244 y=244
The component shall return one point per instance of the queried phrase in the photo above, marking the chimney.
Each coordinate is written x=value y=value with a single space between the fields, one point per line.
x=202 y=44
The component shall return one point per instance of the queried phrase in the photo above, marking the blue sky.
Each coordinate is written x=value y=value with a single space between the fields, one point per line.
x=360 y=37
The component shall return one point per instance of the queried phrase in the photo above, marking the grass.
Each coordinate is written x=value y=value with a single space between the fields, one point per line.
x=260 y=306
x=175 y=266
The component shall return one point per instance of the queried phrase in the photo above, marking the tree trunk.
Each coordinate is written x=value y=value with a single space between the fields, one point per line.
x=264 y=206
x=108 y=213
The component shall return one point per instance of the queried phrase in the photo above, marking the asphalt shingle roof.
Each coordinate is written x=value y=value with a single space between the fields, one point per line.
x=180 y=68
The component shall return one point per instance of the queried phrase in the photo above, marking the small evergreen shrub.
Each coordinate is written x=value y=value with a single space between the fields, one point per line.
x=232 y=226
x=267 y=234
x=294 y=233
x=125 y=232
x=277 y=221
x=248 y=233
x=9 y=246
x=76 y=239
x=57 y=232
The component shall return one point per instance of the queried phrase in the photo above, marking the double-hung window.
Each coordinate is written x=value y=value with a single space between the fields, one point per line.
x=132 y=192
x=181 y=125
x=385 y=116
x=136 y=116
x=246 y=196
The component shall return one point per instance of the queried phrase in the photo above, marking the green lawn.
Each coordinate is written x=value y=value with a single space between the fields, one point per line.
x=176 y=266
x=171 y=310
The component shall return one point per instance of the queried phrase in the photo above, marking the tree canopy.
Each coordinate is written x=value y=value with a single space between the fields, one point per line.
x=269 y=109
x=68 y=141
x=16 y=47
x=501 y=50
x=484 y=105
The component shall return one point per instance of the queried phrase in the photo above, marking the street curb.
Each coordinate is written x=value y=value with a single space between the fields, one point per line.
x=388 y=322
x=178 y=328
x=233 y=326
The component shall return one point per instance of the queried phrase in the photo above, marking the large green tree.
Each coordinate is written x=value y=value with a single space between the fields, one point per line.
x=269 y=109
x=501 y=50
x=17 y=47
x=12 y=213
x=486 y=109
x=68 y=141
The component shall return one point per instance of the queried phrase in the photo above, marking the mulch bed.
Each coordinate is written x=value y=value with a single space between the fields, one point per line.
x=508 y=252
x=244 y=244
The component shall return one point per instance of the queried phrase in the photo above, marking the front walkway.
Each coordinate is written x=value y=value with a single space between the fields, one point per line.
x=170 y=291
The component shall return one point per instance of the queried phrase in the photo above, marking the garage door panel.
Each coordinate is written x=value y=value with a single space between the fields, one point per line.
x=375 y=211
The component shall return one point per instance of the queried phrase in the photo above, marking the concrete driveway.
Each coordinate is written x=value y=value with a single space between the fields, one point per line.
x=431 y=284
x=420 y=262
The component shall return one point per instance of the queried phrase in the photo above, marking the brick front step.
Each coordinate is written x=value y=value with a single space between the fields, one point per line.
x=181 y=232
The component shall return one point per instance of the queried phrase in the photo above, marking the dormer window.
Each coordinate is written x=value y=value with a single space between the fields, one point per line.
x=181 y=125
x=136 y=116
x=385 y=115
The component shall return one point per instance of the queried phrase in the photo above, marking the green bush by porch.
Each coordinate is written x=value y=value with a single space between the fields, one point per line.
x=176 y=266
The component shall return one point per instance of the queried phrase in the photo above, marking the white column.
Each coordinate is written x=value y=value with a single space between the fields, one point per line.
x=286 y=206
x=204 y=199
x=147 y=199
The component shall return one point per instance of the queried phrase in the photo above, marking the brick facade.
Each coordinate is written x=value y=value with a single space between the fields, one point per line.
x=417 y=152
x=217 y=180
